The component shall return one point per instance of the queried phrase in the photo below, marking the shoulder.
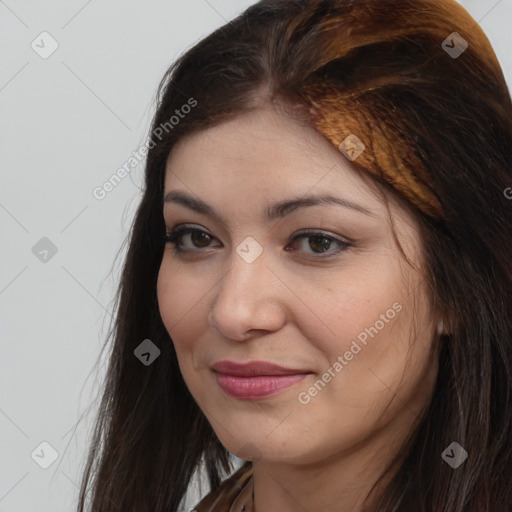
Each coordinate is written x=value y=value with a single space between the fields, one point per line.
x=221 y=498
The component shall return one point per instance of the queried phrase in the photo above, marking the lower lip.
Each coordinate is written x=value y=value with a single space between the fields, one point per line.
x=252 y=388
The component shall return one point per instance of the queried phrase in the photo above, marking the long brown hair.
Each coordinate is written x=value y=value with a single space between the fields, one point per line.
x=437 y=127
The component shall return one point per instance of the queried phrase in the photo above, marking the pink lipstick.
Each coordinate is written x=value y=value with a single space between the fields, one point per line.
x=256 y=379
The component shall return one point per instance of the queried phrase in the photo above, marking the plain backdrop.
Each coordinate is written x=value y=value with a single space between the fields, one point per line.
x=68 y=121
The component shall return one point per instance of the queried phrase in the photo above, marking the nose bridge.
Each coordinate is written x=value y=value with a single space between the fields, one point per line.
x=247 y=296
x=245 y=280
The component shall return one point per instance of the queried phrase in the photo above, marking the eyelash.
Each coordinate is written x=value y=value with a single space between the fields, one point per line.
x=174 y=236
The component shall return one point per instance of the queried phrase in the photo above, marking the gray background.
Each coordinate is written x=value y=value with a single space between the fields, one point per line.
x=68 y=122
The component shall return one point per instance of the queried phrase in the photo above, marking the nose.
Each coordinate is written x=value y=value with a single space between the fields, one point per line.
x=250 y=300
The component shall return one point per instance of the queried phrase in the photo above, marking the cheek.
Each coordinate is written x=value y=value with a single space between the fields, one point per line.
x=380 y=360
x=355 y=309
x=179 y=296
x=181 y=308
x=166 y=291
x=365 y=337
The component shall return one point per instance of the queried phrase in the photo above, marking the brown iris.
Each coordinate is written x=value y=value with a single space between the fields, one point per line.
x=199 y=238
x=323 y=245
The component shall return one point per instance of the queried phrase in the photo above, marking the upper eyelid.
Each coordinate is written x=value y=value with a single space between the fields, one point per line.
x=301 y=233
x=305 y=231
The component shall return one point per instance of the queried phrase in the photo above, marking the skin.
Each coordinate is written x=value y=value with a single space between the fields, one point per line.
x=293 y=308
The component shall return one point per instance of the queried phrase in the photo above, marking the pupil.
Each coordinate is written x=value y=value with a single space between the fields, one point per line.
x=197 y=240
x=323 y=246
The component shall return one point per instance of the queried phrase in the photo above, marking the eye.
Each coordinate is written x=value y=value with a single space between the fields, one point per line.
x=198 y=238
x=319 y=241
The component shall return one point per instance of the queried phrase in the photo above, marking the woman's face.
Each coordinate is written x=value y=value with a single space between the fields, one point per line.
x=333 y=307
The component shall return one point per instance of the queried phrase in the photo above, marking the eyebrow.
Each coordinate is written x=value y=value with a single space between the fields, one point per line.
x=276 y=210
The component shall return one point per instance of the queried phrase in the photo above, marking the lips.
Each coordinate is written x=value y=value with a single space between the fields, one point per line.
x=253 y=369
x=255 y=380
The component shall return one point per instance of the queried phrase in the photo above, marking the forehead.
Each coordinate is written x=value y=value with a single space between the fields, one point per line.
x=263 y=151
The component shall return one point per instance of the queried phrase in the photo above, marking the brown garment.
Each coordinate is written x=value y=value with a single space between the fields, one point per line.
x=223 y=498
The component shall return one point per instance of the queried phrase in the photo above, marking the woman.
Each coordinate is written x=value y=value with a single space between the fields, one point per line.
x=318 y=276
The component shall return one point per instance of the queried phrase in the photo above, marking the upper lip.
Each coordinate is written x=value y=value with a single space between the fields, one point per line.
x=253 y=368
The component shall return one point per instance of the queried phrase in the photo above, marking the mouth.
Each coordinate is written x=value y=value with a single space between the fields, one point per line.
x=255 y=380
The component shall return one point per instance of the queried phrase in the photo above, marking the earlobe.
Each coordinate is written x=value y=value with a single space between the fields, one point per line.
x=440 y=327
